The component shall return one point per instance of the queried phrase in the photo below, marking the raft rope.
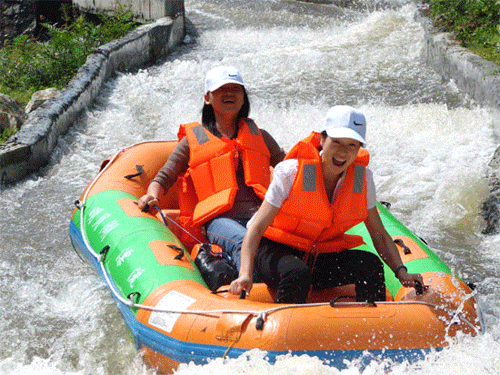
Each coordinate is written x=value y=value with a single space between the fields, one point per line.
x=260 y=314
x=165 y=217
x=228 y=349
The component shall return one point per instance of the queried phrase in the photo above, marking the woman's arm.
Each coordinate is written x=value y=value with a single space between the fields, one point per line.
x=277 y=153
x=176 y=164
x=262 y=219
x=155 y=189
x=387 y=249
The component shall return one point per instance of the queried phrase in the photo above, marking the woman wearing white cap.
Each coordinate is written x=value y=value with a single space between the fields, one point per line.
x=223 y=165
x=322 y=189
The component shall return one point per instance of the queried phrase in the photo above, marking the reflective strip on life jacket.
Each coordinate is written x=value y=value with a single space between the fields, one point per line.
x=200 y=134
x=359 y=178
x=309 y=177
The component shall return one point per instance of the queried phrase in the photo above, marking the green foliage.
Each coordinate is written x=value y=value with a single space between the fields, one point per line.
x=28 y=65
x=475 y=23
x=6 y=134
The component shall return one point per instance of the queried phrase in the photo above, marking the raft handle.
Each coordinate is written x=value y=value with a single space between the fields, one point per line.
x=386 y=204
x=406 y=249
x=140 y=171
x=78 y=204
x=243 y=294
x=134 y=296
x=181 y=252
x=220 y=291
x=419 y=289
x=259 y=325
x=333 y=301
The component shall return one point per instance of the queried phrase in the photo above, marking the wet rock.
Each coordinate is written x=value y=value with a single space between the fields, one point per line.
x=491 y=207
x=491 y=215
x=11 y=113
x=40 y=97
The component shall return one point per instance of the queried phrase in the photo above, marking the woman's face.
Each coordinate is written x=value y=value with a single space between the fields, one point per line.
x=338 y=153
x=226 y=99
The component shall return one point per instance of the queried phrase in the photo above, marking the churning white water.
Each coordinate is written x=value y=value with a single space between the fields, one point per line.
x=430 y=148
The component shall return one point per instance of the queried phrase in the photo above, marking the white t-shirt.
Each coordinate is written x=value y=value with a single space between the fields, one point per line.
x=284 y=174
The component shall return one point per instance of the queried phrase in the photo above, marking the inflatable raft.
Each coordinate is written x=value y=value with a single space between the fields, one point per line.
x=174 y=318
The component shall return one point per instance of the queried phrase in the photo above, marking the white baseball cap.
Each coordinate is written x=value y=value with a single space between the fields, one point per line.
x=221 y=76
x=343 y=121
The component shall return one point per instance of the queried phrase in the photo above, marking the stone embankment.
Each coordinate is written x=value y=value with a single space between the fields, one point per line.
x=30 y=149
x=475 y=76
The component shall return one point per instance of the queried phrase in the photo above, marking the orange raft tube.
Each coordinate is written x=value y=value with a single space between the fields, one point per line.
x=174 y=318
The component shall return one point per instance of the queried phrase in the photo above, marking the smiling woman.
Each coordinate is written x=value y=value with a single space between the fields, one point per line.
x=225 y=160
x=308 y=244
x=226 y=102
x=338 y=154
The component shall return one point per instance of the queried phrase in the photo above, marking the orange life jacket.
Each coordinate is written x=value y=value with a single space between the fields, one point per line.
x=209 y=186
x=307 y=220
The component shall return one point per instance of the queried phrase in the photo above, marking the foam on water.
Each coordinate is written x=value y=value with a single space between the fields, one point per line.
x=449 y=361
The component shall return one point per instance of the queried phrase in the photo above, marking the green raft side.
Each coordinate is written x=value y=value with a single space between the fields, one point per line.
x=130 y=261
x=395 y=228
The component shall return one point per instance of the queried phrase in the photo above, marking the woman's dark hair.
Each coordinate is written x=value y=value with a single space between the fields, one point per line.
x=208 y=114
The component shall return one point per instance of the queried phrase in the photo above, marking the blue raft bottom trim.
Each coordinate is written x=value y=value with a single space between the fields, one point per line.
x=198 y=353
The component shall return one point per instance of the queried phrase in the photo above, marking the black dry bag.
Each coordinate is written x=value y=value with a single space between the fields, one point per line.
x=214 y=267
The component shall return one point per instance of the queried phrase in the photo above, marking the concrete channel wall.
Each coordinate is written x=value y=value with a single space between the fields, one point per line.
x=30 y=149
x=475 y=76
x=143 y=10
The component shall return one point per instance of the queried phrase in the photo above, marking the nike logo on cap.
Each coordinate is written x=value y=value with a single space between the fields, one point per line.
x=357 y=123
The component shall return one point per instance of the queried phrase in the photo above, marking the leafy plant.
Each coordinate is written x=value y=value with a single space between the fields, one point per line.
x=6 y=134
x=28 y=65
x=475 y=23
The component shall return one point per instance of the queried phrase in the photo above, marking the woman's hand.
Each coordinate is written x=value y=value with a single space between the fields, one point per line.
x=147 y=200
x=409 y=280
x=242 y=283
x=150 y=199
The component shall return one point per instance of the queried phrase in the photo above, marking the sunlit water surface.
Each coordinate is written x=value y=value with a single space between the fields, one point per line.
x=430 y=148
